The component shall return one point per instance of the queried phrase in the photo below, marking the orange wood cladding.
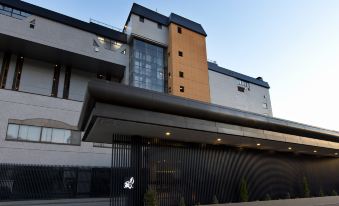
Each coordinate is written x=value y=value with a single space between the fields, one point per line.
x=193 y=64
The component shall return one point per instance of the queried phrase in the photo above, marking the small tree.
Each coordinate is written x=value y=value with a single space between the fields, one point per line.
x=150 y=198
x=334 y=193
x=307 y=192
x=268 y=197
x=288 y=195
x=182 y=202
x=321 y=193
x=243 y=191
x=215 y=200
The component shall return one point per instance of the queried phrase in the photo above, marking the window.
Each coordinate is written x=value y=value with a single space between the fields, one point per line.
x=55 y=84
x=182 y=89
x=181 y=74
x=17 y=73
x=8 y=11
x=180 y=53
x=179 y=30
x=109 y=44
x=241 y=89
x=147 y=66
x=159 y=26
x=141 y=19
x=243 y=83
x=32 y=24
x=103 y=145
x=29 y=133
x=264 y=105
x=42 y=134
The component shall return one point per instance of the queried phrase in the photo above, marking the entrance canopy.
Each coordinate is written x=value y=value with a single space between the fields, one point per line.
x=112 y=108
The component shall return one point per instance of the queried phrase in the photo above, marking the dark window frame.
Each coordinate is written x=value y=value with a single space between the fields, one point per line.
x=181 y=74
x=241 y=89
x=179 y=30
x=159 y=26
x=67 y=82
x=55 y=84
x=4 y=69
x=182 y=89
x=17 y=73
x=180 y=53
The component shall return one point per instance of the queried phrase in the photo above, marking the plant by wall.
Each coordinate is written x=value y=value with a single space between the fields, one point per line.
x=243 y=191
x=150 y=198
x=215 y=200
x=334 y=193
x=268 y=197
x=321 y=193
x=182 y=202
x=306 y=188
x=288 y=195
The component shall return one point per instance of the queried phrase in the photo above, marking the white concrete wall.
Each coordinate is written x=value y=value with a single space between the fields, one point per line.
x=78 y=84
x=60 y=36
x=36 y=77
x=18 y=105
x=224 y=91
x=147 y=29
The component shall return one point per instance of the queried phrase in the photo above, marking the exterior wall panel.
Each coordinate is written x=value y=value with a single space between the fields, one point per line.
x=193 y=64
x=224 y=91
x=37 y=77
x=78 y=85
x=23 y=106
x=148 y=30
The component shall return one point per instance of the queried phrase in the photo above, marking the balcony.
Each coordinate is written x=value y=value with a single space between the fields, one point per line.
x=40 y=38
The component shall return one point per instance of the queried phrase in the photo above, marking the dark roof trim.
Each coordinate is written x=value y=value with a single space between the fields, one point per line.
x=54 y=16
x=119 y=94
x=214 y=67
x=188 y=24
x=164 y=20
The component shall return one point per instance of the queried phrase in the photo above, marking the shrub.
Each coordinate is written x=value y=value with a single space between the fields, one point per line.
x=321 y=193
x=215 y=200
x=268 y=197
x=288 y=195
x=243 y=191
x=150 y=198
x=182 y=202
x=334 y=193
x=307 y=192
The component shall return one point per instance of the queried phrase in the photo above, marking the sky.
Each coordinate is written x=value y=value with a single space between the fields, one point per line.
x=292 y=44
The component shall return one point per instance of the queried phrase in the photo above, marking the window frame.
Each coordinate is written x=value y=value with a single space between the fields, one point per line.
x=142 y=19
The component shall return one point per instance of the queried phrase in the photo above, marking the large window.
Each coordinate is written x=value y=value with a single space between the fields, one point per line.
x=42 y=134
x=147 y=66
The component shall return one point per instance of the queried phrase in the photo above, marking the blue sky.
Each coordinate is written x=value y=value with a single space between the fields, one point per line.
x=292 y=44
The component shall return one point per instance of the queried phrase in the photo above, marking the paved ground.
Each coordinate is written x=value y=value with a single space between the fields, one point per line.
x=318 y=201
x=321 y=201
x=68 y=202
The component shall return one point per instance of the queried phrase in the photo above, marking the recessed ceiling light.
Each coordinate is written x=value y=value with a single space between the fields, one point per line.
x=218 y=139
x=315 y=151
x=290 y=148
x=258 y=144
x=336 y=153
x=168 y=133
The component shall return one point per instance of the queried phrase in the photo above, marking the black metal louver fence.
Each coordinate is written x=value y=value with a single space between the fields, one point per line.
x=197 y=172
x=19 y=182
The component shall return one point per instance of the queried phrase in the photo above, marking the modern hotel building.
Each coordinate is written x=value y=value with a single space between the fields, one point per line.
x=86 y=108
